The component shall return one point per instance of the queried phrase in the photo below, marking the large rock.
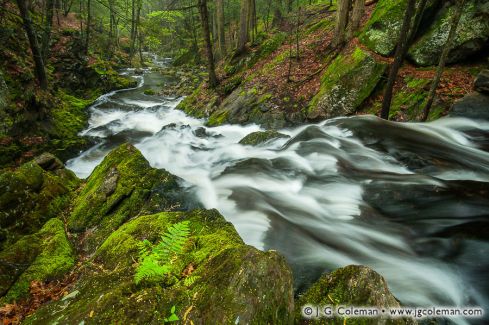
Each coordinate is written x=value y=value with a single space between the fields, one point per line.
x=482 y=82
x=123 y=186
x=474 y=106
x=354 y=285
x=259 y=137
x=232 y=283
x=472 y=34
x=347 y=82
x=381 y=32
x=45 y=255
x=31 y=195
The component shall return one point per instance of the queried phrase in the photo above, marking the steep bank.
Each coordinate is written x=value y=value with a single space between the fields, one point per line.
x=273 y=85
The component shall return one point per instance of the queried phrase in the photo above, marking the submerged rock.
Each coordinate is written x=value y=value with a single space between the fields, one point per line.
x=260 y=137
x=482 y=82
x=32 y=194
x=230 y=282
x=45 y=255
x=124 y=185
x=474 y=106
x=353 y=285
x=472 y=34
x=347 y=82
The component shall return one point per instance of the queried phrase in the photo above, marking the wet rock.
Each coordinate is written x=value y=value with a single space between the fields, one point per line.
x=201 y=132
x=48 y=162
x=30 y=195
x=122 y=186
x=474 y=105
x=482 y=82
x=138 y=72
x=260 y=137
x=353 y=285
x=471 y=37
x=45 y=255
x=232 y=282
x=347 y=82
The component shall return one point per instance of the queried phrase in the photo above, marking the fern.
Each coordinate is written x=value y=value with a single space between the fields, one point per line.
x=153 y=261
x=190 y=280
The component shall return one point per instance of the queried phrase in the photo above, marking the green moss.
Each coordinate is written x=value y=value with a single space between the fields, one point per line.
x=324 y=24
x=54 y=258
x=345 y=84
x=121 y=187
x=218 y=118
x=230 y=279
x=471 y=36
x=149 y=92
x=30 y=196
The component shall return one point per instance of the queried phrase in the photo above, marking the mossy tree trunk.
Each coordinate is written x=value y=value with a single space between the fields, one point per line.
x=443 y=58
x=401 y=49
x=39 y=67
x=204 y=17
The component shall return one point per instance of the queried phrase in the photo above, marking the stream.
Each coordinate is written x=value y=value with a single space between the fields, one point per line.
x=410 y=200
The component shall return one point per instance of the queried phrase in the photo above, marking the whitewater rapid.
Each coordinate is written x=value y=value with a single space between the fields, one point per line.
x=400 y=198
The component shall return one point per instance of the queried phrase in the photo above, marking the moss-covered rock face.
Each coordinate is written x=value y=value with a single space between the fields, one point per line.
x=347 y=82
x=31 y=195
x=472 y=35
x=354 y=285
x=45 y=255
x=123 y=186
x=381 y=32
x=232 y=282
x=260 y=137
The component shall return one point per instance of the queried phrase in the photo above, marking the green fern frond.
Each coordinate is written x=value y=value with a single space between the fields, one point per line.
x=150 y=270
x=190 y=280
x=153 y=260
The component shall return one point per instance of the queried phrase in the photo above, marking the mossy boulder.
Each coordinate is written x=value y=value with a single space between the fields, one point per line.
x=471 y=37
x=353 y=285
x=232 y=282
x=259 y=137
x=345 y=84
x=382 y=30
x=45 y=255
x=474 y=106
x=123 y=186
x=31 y=195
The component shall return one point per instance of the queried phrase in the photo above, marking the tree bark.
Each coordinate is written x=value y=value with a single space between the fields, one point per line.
x=243 y=26
x=401 y=49
x=204 y=17
x=278 y=17
x=89 y=22
x=220 y=27
x=39 y=68
x=48 y=24
x=341 y=22
x=356 y=17
x=443 y=58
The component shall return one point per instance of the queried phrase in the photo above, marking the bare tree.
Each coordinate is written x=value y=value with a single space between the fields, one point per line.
x=31 y=36
x=401 y=49
x=342 y=15
x=204 y=17
x=443 y=58
x=356 y=17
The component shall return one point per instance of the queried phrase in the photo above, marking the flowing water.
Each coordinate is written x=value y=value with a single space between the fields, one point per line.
x=409 y=200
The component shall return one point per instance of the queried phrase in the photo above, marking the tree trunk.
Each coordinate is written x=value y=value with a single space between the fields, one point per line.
x=220 y=27
x=36 y=52
x=48 y=24
x=356 y=17
x=204 y=17
x=443 y=58
x=89 y=22
x=243 y=26
x=278 y=17
x=341 y=22
x=401 y=49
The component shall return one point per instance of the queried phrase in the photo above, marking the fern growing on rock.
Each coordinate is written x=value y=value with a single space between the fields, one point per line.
x=154 y=260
